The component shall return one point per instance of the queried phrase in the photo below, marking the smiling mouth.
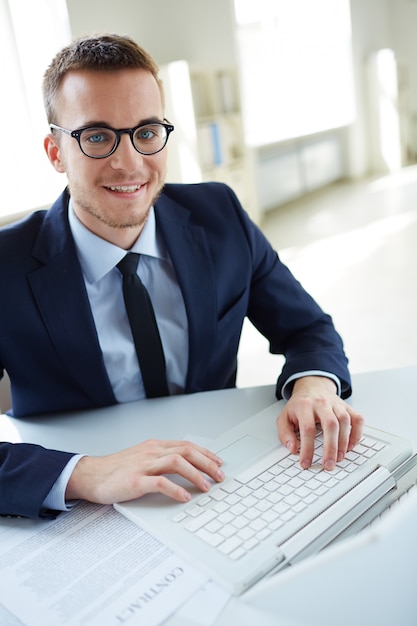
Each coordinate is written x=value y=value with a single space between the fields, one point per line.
x=125 y=188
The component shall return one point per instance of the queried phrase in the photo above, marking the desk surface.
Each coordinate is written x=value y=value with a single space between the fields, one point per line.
x=385 y=398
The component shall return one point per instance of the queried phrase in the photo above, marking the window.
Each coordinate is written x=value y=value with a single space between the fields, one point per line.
x=28 y=179
x=296 y=67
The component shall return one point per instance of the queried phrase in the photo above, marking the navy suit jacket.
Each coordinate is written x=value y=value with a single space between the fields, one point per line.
x=226 y=270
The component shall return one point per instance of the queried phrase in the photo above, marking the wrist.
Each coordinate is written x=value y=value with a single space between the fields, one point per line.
x=308 y=384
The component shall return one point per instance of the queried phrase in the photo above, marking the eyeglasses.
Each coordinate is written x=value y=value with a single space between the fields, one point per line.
x=99 y=142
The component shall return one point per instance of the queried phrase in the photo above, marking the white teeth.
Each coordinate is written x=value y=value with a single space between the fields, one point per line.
x=127 y=189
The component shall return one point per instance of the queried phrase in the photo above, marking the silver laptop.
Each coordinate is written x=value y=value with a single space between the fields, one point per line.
x=269 y=513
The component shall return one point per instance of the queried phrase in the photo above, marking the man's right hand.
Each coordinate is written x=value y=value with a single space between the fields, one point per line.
x=138 y=470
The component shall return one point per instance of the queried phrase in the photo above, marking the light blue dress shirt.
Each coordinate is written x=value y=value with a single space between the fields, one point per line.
x=103 y=281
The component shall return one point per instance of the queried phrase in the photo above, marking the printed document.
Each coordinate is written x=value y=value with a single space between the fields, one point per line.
x=90 y=567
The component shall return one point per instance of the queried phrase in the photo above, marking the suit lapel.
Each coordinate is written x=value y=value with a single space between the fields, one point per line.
x=59 y=290
x=188 y=248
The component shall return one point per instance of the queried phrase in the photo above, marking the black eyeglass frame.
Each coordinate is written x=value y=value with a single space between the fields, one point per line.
x=76 y=134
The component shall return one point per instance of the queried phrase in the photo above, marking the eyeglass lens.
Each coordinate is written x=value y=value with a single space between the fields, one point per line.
x=99 y=142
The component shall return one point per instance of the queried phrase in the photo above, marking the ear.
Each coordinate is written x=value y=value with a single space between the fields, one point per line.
x=52 y=150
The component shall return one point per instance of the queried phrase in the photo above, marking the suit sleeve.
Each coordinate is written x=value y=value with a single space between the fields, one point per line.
x=27 y=473
x=290 y=318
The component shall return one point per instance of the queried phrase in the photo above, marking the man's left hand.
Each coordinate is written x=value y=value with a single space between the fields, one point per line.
x=314 y=400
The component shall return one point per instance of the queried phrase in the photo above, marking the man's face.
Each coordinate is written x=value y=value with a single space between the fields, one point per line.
x=111 y=196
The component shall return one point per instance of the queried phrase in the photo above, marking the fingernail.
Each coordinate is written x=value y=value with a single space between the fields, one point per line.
x=206 y=485
x=220 y=475
x=289 y=446
x=329 y=466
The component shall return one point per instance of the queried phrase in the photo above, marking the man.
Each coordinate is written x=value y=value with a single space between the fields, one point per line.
x=65 y=338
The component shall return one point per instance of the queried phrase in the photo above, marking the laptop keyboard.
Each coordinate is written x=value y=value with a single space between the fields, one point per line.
x=241 y=513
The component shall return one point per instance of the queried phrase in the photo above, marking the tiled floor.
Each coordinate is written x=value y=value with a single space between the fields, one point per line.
x=354 y=247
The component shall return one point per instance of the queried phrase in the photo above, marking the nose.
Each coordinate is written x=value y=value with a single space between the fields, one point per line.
x=126 y=157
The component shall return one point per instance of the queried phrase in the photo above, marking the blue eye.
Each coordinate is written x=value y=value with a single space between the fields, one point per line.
x=95 y=138
x=145 y=134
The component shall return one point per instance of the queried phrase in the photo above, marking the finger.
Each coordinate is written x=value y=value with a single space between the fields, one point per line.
x=287 y=433
x=199 y=459
x=162 y=484
x=307 y=438
x=356 y=433
x=331 y=429
x=174 y=446
x=343 y=418
x=190 y=465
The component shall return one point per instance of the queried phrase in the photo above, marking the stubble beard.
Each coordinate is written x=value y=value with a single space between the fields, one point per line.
x=134 y=221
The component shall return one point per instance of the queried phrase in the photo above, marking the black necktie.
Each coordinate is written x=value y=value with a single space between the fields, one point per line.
x=144 y=328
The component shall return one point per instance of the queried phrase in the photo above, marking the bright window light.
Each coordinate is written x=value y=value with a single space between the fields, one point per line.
x=29 y=181
x=296 y=67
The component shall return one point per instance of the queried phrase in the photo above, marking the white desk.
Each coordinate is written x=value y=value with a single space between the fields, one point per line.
x=385 y=398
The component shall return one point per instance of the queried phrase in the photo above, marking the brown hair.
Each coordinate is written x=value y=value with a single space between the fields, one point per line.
x=101 y=53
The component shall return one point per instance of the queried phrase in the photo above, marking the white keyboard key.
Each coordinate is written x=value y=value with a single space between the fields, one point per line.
x=227 y=531
x=220 y=507
x=250 y=544
x=238 y=509
x=246 y=533
x=243 y=491
x=240 y=522
x=281 y=507
x=225 y=518
x=204 y=501
x=213 y=526
x=200 y=521
x=210 y=538
x=292 y=499
x=295 y=483
x=265 y=477
x=252 y=514
x=194 y=511
x=263 y=534
x=258 y=524
x=285 y=490
x=293 y=471
x=230 y=545
x=312 y=497
x=254 y=484
x=260 y=494
x=275 y=497
x=263 y=505
x=231 y=486
x=249 y=501
x=300 y=506
x=351 y=455
x=269 y=516
x=232 y=499
x=218 y=494
x=237 y=554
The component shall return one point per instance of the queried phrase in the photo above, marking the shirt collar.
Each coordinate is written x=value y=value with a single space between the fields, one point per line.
x=98 y=257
